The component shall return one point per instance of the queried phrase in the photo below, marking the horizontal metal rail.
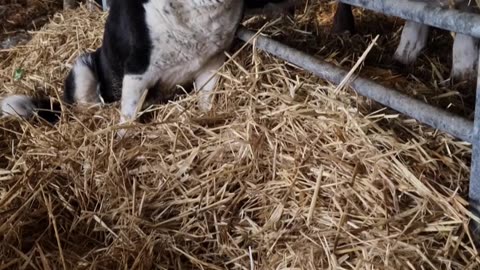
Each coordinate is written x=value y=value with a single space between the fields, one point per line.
x=426 y=13
x=435 y=117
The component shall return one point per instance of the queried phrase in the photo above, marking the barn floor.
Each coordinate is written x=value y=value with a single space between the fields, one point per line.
x=234 y=189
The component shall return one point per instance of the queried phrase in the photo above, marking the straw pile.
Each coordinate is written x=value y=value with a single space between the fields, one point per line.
x=282 y=174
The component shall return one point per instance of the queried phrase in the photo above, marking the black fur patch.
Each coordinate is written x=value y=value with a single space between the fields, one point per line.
x=126 y=48
x=126 y=44
x=69 y=88
x=47 y=109
x=343 y=19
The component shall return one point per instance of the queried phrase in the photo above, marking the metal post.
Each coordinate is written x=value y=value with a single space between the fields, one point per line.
x=474 y=189
x=435 y=117
x=426 y=13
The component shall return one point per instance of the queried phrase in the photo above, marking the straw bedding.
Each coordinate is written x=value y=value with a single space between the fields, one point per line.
x=284 y=173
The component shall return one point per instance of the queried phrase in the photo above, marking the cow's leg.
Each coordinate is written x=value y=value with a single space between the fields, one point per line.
x=81 y=84
x=343 y=19
x=464 y=58
x=464 y=52
x=206 y=81
x=412 y=42
x=133 y=88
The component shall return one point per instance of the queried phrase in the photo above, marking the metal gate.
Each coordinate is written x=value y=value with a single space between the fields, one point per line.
x=443 y=18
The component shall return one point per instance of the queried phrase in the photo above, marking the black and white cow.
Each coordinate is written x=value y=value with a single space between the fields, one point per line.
x=414 y=39
x=151 y=46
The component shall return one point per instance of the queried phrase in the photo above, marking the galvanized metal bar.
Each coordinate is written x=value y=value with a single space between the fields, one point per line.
x=474 y=188
x=435 y=117
x=426 y=13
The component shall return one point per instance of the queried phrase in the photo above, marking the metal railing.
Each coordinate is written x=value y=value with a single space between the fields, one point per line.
x=454 y=21
x=433 y=15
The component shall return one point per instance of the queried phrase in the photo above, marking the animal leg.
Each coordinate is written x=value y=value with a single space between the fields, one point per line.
x=206 y=81
x=133 y=89
x=465 y=51
x=81 y=83
x=80 y=87
x=412 y=42
x=465 y=58
x=343 y=19
x=137 y=79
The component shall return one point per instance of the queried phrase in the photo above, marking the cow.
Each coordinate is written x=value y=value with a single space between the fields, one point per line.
x=149 y=47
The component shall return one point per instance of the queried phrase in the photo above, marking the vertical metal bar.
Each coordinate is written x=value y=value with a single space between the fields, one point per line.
x=426 y=13
x=474 y=189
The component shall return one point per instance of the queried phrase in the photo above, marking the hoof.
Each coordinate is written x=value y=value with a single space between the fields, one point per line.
x=205 y=102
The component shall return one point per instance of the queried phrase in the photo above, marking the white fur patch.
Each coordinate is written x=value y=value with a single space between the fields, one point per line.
x=17 y=105
x=412 y=42
x=85 y=82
